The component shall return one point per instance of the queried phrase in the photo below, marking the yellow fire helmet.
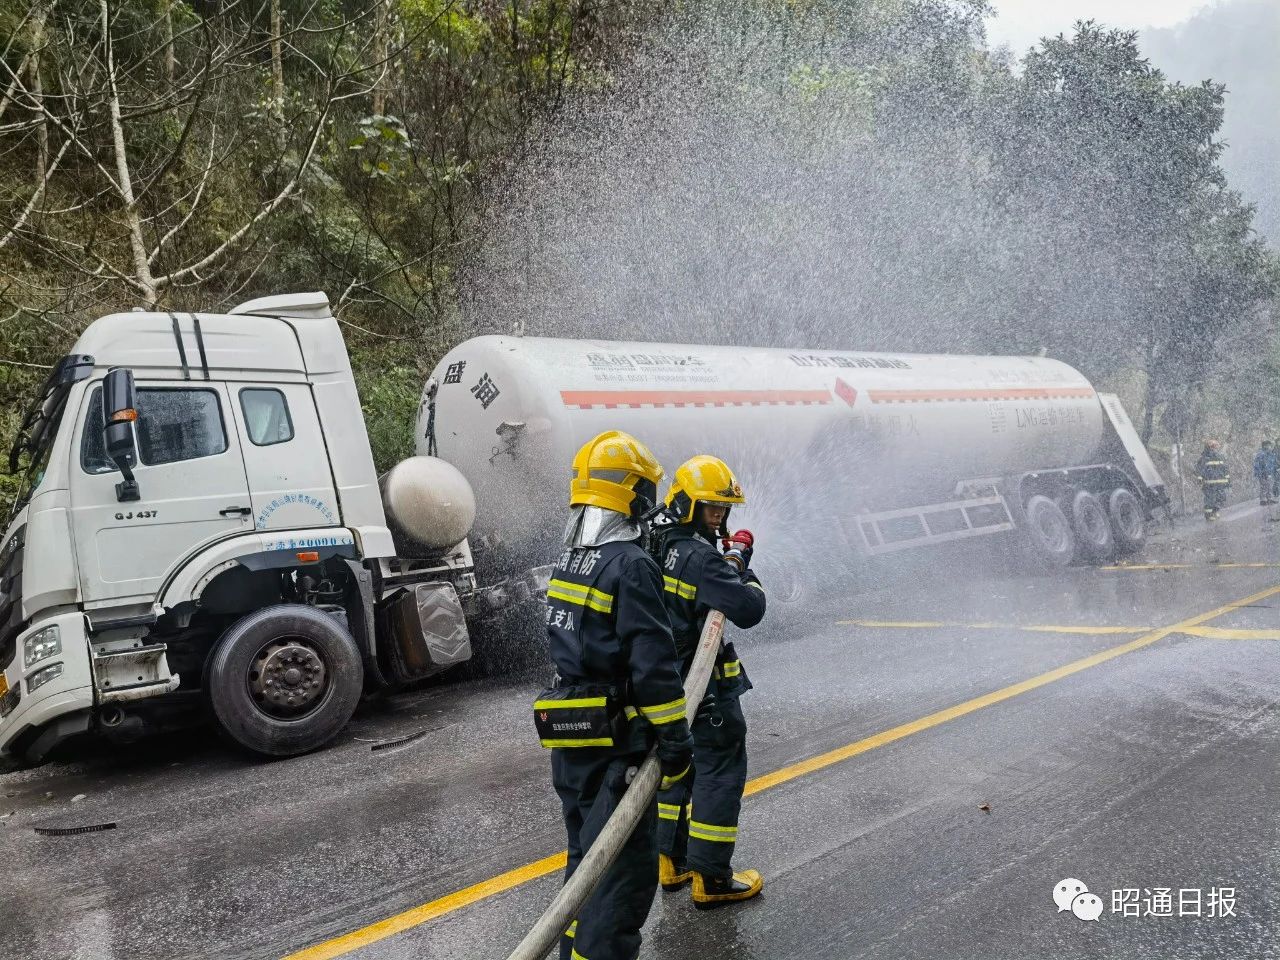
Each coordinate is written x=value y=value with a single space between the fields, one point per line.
x=702 y=479
x=617 y=472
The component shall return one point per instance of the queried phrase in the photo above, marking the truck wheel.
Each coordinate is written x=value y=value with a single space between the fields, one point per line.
x=1094 y=542
x=1049 y=533
x=284 y=680
x=1128 y=525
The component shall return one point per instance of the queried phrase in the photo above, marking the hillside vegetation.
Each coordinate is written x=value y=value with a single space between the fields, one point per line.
x=413 y=159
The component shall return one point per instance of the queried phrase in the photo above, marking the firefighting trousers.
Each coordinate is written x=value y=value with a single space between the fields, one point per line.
x=698 y=821
x=1215 y=495
x=590 y=782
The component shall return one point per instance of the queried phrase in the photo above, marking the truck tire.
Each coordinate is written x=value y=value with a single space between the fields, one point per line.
x=284 y=680
x=1049 y=536
x=1128 y=525
x=1094 y=542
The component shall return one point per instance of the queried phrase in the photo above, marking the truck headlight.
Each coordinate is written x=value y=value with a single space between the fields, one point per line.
x=41 y=645
x=41 y=677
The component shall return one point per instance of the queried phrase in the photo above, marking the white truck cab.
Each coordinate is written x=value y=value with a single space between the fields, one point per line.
x=202 y=521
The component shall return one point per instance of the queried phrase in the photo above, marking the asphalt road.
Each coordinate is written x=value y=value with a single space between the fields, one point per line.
x=930 y=758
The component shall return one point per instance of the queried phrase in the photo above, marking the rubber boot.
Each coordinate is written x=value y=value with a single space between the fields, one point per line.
x=672 y=875
x=712 y=892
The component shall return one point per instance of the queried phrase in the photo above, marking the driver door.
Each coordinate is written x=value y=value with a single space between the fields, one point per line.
x=192 y=483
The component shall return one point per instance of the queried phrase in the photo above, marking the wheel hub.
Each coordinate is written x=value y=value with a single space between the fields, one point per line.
x=1053 y=530
x=1096 y=524
x=287 y=677
x=1131 y=521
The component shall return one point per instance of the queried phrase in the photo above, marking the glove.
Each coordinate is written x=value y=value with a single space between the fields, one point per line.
x=675 y=753
x=707 y=708
x=738 y=549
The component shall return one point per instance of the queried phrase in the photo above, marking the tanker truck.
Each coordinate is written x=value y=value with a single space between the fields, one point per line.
x=845 y=456
x=201 y=529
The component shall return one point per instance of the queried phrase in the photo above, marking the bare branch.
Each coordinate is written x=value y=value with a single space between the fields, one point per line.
x=195 y=205
x=186 y=131
x=19 y=363
x=142 y=269
x=35 y=196
x=66 y=131
x=13 y=85
x=373 y=333
x=261 y=215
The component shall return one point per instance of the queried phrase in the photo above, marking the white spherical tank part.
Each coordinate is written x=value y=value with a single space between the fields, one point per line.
x=429 y=501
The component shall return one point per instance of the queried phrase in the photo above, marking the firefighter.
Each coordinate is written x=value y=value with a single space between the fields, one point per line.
x=696 y=841
x=1264 y=471
x=617 y=687
x=1275 y=477
x=1214 y=477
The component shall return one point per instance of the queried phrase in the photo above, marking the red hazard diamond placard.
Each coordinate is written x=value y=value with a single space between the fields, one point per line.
x=845 y=392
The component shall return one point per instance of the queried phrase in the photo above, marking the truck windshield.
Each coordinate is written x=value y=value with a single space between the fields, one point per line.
x=40 y=424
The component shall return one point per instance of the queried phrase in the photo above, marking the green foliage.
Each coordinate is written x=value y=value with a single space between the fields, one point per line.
x=428 y=113
x=383 y=145
x=1121 y=167
x=443 y=26
x=390 y=385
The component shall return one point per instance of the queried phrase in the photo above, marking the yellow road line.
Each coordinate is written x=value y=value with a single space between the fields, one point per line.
x=1030 y=628
x=1226 y=633
x=1211 y=633
x=770 y=780
x=1190 y=566
x=348 y=942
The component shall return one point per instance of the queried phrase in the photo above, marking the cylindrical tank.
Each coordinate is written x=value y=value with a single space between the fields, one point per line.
x=836 y=432
x=429 y=505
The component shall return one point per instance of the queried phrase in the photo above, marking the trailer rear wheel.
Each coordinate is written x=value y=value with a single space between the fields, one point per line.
x=1127 y=522
x=1049 y=534
x=1094 y=541
x=284 y=680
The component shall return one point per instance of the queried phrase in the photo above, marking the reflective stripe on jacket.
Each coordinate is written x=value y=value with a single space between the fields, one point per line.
x=607 y=623
x=1212 y=469
x=697 y=579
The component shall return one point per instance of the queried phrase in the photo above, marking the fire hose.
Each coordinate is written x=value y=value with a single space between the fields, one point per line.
x=635 y=802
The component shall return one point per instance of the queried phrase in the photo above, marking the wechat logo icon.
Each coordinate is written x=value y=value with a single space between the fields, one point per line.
x=1071 y=894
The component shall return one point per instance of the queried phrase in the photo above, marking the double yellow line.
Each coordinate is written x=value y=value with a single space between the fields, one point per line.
x=408 y=919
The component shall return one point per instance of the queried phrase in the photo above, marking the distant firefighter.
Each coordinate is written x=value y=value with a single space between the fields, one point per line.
x=1275 y=477
x=1215 y=478
x=1264 y=471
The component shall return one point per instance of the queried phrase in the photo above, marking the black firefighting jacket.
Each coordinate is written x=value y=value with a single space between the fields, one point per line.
x=696 y=580
x=1212 y=469
x=606 y=623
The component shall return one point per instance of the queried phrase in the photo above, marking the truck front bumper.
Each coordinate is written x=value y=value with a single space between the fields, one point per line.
x=66 y=693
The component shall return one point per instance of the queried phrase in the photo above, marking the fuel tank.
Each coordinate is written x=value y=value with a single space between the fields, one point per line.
x=806 y=430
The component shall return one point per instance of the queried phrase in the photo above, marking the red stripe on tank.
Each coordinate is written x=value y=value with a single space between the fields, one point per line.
x=980 y=393
x=610 y=399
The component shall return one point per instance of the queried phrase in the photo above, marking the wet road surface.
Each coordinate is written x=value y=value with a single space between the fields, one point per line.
x=929 y=759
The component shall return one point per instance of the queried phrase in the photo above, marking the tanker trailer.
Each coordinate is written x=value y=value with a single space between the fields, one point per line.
x=865 y=453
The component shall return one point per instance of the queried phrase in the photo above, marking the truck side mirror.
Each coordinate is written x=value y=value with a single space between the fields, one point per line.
x=119 y=416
